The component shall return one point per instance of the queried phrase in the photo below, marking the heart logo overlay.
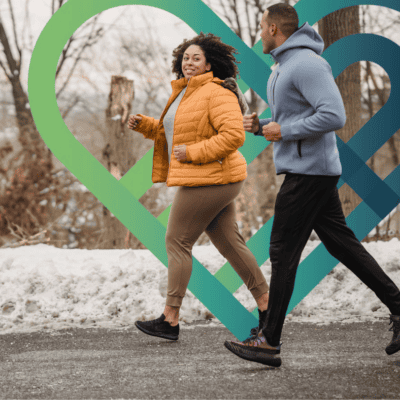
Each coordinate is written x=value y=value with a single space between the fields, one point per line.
x=121 y=197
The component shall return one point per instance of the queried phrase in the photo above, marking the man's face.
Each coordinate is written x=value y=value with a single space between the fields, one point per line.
x=267 y=38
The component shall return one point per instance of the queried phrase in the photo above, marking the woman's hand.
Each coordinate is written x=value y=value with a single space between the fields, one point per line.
x=133 y=121
x=180 y=152
x=251 y=123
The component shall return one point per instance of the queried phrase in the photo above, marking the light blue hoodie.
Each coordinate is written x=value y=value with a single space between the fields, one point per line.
x=306 y=102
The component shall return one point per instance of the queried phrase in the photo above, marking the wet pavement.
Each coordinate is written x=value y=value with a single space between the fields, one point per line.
x=325 y=362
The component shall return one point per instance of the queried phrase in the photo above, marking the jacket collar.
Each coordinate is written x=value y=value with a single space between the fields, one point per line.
x=194 y=82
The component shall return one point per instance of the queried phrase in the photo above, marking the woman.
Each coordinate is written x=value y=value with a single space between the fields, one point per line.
x=196 y=141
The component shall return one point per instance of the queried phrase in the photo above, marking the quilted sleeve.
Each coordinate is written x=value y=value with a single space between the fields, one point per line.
x=147 y=127
x=226 y=118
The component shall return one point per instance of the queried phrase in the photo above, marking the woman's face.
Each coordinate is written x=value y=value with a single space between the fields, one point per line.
x=194 y=62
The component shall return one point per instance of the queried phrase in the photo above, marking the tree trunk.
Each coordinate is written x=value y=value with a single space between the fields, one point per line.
x=118 y=153
x=333 y=27
x=29 y=136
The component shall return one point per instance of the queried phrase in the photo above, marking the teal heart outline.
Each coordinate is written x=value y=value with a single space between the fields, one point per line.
x=110 y=192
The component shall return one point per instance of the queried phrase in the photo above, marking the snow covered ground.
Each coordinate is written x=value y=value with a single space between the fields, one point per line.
x=43 y=287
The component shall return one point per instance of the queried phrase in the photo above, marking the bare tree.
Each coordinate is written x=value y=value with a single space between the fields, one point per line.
x=377 y=80
x=333 y=27
x=376 y=91
x=30 y=169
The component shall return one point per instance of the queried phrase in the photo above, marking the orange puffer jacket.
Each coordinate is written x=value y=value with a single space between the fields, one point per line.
x=209 y=122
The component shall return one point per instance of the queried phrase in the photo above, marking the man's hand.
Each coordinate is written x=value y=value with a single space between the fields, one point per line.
x=180 y=152
x=251 y=123
x=272 y=132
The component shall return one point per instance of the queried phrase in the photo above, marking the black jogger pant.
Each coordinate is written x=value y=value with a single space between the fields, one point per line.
x=304 y=203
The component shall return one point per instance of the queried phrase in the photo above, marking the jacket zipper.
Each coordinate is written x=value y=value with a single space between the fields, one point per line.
x=299 y=147
x=273 y=88
x=173 y=131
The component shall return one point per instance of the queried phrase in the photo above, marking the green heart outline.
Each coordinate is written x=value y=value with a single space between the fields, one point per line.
x=117 y=196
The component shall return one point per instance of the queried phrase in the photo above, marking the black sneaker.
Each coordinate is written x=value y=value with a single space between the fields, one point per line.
x=394 y=345
x=159 y=327
x=257 y=349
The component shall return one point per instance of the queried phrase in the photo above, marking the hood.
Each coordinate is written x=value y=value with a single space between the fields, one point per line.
x=304 y=37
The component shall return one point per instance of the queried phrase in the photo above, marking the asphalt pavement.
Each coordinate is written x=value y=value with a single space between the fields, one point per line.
x=326 y=362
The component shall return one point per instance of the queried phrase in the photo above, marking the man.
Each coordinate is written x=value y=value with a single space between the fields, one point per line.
x=306 y=108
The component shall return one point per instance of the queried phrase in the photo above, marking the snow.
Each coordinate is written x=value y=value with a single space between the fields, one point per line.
x=384 y=222
x=131 y=75
x=44 y=287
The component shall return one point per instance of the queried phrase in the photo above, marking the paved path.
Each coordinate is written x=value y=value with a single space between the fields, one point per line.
x=332 y=361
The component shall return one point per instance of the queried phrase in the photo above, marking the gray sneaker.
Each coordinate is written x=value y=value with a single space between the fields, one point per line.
x=257 y=349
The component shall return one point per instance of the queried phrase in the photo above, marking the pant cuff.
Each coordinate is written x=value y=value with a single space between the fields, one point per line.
x=260 y=290
x=173 y=301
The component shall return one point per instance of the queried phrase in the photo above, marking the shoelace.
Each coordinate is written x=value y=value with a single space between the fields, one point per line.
x=254 y=331
x=253 y=334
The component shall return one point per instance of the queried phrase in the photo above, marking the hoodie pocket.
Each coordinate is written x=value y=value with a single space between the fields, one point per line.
x=299 y=147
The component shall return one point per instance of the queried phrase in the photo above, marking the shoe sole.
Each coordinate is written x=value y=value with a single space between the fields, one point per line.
x=262 y=358
x=157 y=334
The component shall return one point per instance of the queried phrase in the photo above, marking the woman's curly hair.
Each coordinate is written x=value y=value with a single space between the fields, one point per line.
x=218 y=54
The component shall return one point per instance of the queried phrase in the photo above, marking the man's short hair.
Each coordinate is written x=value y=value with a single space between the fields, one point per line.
x=285 y=17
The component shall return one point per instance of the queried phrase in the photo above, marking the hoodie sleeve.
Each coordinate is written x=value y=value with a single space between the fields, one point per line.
x=314 y=80
x=262 y=122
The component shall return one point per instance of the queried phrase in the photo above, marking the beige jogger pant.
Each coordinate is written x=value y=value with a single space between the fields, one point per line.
x=210 y=209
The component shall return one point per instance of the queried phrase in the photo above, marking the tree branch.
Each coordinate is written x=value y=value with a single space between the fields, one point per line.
x=252 y=36
x=14 y=25
x=5 y=71
x=236 y=12
x=259 y=6
x=91 y=40
x=226 y=13
x=64 y=55
x=53 y=6
x=26 y=24
x=71 y=106
x=12 y=64
x=378 y=90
